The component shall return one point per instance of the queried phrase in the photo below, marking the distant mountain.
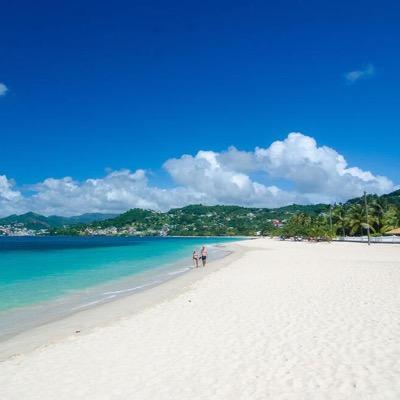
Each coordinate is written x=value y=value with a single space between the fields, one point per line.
x=393 y=198
x=32 y=220
x=196 y=219
x=89 y=217
x=390 y=198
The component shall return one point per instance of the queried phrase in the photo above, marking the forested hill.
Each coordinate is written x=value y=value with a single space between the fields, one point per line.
x=194 y=220
x=229 y=220
x=32 y=220
x=213 y=220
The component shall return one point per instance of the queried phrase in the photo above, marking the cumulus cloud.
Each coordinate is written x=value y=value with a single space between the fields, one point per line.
x=363 y=73
x=319 y=173
x=6 y=189
x=3 y=89
x=316 y=174
x=116 y=192
x=221 y=177
x=9 y=198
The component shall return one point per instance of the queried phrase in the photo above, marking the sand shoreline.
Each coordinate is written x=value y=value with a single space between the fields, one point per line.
x=103 y=314
x=281 y=320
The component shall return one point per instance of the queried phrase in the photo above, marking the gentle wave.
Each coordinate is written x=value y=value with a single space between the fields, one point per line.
x=92 y=303
x=181 y=271
x=133 y=289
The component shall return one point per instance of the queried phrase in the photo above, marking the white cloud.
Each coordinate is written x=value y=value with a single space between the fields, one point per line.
x=6 y=189
x=221 y=177
x=9 y=198
x=317 y=174
x=366 y=72
x=3 y=89
x=116 y=192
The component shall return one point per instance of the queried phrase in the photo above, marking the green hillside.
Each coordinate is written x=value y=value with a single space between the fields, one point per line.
x=35 y=221
x=195 y=220
x=199 y=220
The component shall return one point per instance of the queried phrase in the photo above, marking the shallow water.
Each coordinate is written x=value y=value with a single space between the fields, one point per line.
x=42 y=278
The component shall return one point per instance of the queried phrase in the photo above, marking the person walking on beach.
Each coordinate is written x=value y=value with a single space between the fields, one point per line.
x=196 y=259
x=203 y=254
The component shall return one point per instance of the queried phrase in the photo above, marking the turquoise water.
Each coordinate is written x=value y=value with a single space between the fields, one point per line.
x=41 y=269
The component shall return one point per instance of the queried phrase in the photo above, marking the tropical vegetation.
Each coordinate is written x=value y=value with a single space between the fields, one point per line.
x=375 y=215
x=318 y=221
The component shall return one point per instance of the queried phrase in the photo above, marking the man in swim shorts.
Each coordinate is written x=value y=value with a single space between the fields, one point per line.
x=203 y=255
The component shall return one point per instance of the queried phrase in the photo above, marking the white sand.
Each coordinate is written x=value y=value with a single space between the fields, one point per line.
x=284 y=321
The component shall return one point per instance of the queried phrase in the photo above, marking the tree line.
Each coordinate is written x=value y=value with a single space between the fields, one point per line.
x=354 y=218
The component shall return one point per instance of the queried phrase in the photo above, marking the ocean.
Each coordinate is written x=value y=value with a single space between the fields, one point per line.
x=43 y=278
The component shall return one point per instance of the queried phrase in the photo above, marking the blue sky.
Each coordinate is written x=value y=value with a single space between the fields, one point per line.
x=90 y=87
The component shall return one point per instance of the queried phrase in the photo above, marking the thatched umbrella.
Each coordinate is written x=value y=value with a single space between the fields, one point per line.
x=395 y=231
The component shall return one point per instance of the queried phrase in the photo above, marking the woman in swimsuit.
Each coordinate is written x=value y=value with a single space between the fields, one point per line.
x=195 y=259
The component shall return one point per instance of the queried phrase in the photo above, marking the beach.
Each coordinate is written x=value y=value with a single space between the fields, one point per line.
x=274 y=320
x=45 y=279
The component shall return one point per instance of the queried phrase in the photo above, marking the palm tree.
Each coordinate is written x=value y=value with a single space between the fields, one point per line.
x=379 y=206
x=357 y=221
x=301 y=219
x=339 y=217
x=298 y=225
x=389 y=220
